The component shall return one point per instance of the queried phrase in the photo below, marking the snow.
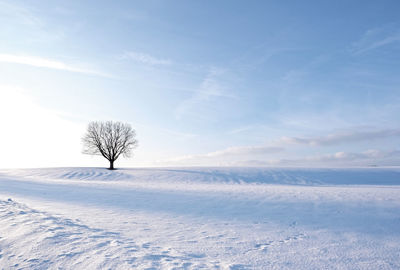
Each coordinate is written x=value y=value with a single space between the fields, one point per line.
x=200 y=218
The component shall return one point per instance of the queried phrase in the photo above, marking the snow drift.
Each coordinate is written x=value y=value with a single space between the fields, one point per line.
x=200 y=218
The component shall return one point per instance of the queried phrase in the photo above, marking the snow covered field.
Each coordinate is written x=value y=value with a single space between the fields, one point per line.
x=200 y=218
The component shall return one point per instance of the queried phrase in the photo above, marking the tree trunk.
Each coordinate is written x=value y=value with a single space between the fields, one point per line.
x=111 y=165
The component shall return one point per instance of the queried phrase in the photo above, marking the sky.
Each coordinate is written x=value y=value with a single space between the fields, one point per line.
x=203 y=83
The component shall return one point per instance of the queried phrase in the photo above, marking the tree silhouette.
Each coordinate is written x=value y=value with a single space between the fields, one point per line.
x=110 y=140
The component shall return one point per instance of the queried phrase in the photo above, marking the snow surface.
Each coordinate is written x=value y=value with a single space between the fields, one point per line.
x=200 y=218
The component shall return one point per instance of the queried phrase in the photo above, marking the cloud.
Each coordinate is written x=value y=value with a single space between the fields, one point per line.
x=260 y=155
x=246 y=150
x=22 y=14
x=338 y=138
x=376 y=38
x=226 y=154
x=241 y=129
x=177 y=133
x=347 y=156
x=370 y=157
x=47 y=63
x=24 y=22
x=145 y=59
x=210 y=88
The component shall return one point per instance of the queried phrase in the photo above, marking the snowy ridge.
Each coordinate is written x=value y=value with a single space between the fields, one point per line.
x=282 y=176
x=69 y=173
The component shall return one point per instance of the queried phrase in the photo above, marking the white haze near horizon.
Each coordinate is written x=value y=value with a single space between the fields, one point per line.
x=33 y=136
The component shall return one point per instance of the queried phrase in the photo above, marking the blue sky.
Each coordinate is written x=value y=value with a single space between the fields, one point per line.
x=204 y=83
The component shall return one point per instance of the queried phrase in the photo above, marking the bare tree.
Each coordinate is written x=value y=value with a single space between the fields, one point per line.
x=110 y=140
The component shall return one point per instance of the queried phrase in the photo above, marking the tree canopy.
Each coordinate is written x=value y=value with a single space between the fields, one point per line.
x=110 y=140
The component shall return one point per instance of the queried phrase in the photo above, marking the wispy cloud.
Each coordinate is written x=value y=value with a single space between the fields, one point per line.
x=376 y=38
x=47 y=63
x=178 y=133
x=369 y=157
x=265 y=155
x=365 y=158
x=210 y=88
x=238 y=151
x=345 y=137
x=241 y=129
x=246 y=150
x=22 y=14
x=146 y=59
x=348 y=156
x=25 y=22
